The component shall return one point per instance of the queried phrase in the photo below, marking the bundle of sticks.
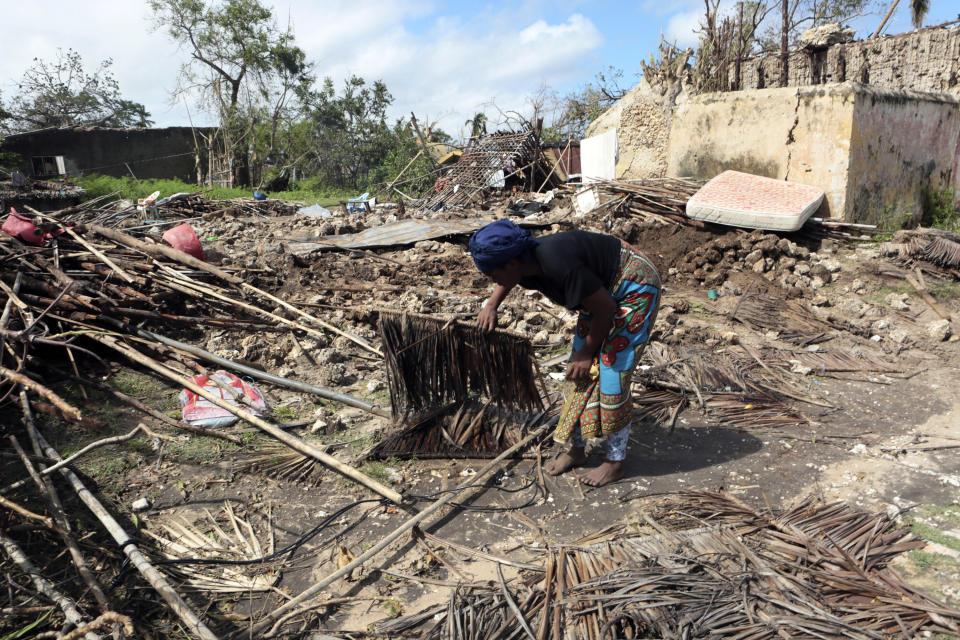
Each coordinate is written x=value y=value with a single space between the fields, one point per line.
x=433 y=361
x=660 y=199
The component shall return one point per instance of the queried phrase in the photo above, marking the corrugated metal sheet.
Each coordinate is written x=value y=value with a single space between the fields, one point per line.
x=398 y=233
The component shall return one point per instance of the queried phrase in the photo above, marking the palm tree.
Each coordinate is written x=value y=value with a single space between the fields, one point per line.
x=478 y=124
x=918 y=11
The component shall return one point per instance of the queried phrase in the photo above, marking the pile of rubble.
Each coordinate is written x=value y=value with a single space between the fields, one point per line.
x=777 y=258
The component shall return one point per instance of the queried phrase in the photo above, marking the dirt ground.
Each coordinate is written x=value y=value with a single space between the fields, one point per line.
x=882 y=440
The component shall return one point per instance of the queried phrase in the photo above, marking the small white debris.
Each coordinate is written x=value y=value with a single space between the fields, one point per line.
x=140 y=505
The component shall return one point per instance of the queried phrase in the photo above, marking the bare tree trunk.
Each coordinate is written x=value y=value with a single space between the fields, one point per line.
x=784 y=50
x=736 y=67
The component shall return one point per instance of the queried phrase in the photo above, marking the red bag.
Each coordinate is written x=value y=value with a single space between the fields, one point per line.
x=20 y=227
x=23 y=228
x=199 y=411
x=182 y=237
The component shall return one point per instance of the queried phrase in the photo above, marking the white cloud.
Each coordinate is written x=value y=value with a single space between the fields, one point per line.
x=432 y=63
x=682 y=28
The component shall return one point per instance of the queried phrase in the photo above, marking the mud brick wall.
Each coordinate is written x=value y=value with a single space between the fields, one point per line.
x=925 y=60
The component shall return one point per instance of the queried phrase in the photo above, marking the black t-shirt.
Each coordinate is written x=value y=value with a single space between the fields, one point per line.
x=575 y=264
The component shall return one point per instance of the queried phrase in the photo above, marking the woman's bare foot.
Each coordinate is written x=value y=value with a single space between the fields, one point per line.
x=566 y=461
x=604 y=474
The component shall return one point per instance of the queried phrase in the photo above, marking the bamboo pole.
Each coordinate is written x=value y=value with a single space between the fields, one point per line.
x=127 y=544
x=271 y=429
x=73 y=234
x=194 y=288
x=159 y=250
x=53 y=499
x=385 y=542
x=162 y=250
x=329 y=394
x=43 y=585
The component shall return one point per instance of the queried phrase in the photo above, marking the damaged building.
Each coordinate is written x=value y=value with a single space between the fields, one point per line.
x=874 y=123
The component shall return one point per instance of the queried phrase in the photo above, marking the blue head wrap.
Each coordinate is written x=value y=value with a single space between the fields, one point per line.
x=498 y=243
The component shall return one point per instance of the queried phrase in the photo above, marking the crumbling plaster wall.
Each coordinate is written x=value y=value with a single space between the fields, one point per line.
x=643 y=130
x=871 y=151
x=923 y=60
x=901 y=143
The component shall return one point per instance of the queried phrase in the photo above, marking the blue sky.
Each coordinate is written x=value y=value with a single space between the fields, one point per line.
x=445 y=60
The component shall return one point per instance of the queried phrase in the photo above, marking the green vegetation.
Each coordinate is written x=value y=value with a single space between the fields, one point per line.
x=132 y=383
x=940 y=210
x=879 y=296
x=284 y=414
x=126 y=187
x=377 y=470
x=939 y=525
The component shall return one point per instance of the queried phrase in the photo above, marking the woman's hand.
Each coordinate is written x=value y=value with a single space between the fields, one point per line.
x=487 y=320
x=579 y=366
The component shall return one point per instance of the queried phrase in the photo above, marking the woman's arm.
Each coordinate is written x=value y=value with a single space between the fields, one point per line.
x=601 y=305
x=488 y=314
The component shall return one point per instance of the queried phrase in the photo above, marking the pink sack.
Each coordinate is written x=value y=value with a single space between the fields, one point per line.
x=199 y=411
x=20 y=227
x=182 y=237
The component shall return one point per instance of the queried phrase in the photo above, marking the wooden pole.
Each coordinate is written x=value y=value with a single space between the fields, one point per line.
x=127 y=544
x=43 y=585
x=162 y=251
x=53 y=499
x=291 y=441
x=883 y=22
x=385 y=542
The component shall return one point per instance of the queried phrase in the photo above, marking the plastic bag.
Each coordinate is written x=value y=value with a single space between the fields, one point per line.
x=199 y=411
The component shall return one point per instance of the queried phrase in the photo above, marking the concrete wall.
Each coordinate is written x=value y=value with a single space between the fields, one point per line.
x=871 y=151
x=150 y=153
x=643 y=129
x=900 y=143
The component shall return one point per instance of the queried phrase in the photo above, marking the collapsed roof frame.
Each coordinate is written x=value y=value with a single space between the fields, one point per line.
x=480 y=161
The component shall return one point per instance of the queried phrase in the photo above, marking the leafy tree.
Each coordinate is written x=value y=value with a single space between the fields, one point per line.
x=350 y=134
x=60 y=93
x=804 y=14
x=242 y=66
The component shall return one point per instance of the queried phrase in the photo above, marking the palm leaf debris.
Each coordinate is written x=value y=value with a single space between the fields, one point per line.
x=941 y=248
x=205 y=538
x=813 y=571
x=432 y=362
x=468 y=430
x=721 y=385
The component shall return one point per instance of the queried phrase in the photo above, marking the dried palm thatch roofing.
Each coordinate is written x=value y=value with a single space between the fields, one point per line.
x=814 y=571
x=942 y=248
x=432 y=362
x=468 y=430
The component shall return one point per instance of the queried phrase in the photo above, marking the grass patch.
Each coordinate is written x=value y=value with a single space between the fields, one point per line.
x=199 y=449
x=879 y=296
x=284 y=414
x=946 y=291
x=377 y=470
x=132 y=383
x=126 y=187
